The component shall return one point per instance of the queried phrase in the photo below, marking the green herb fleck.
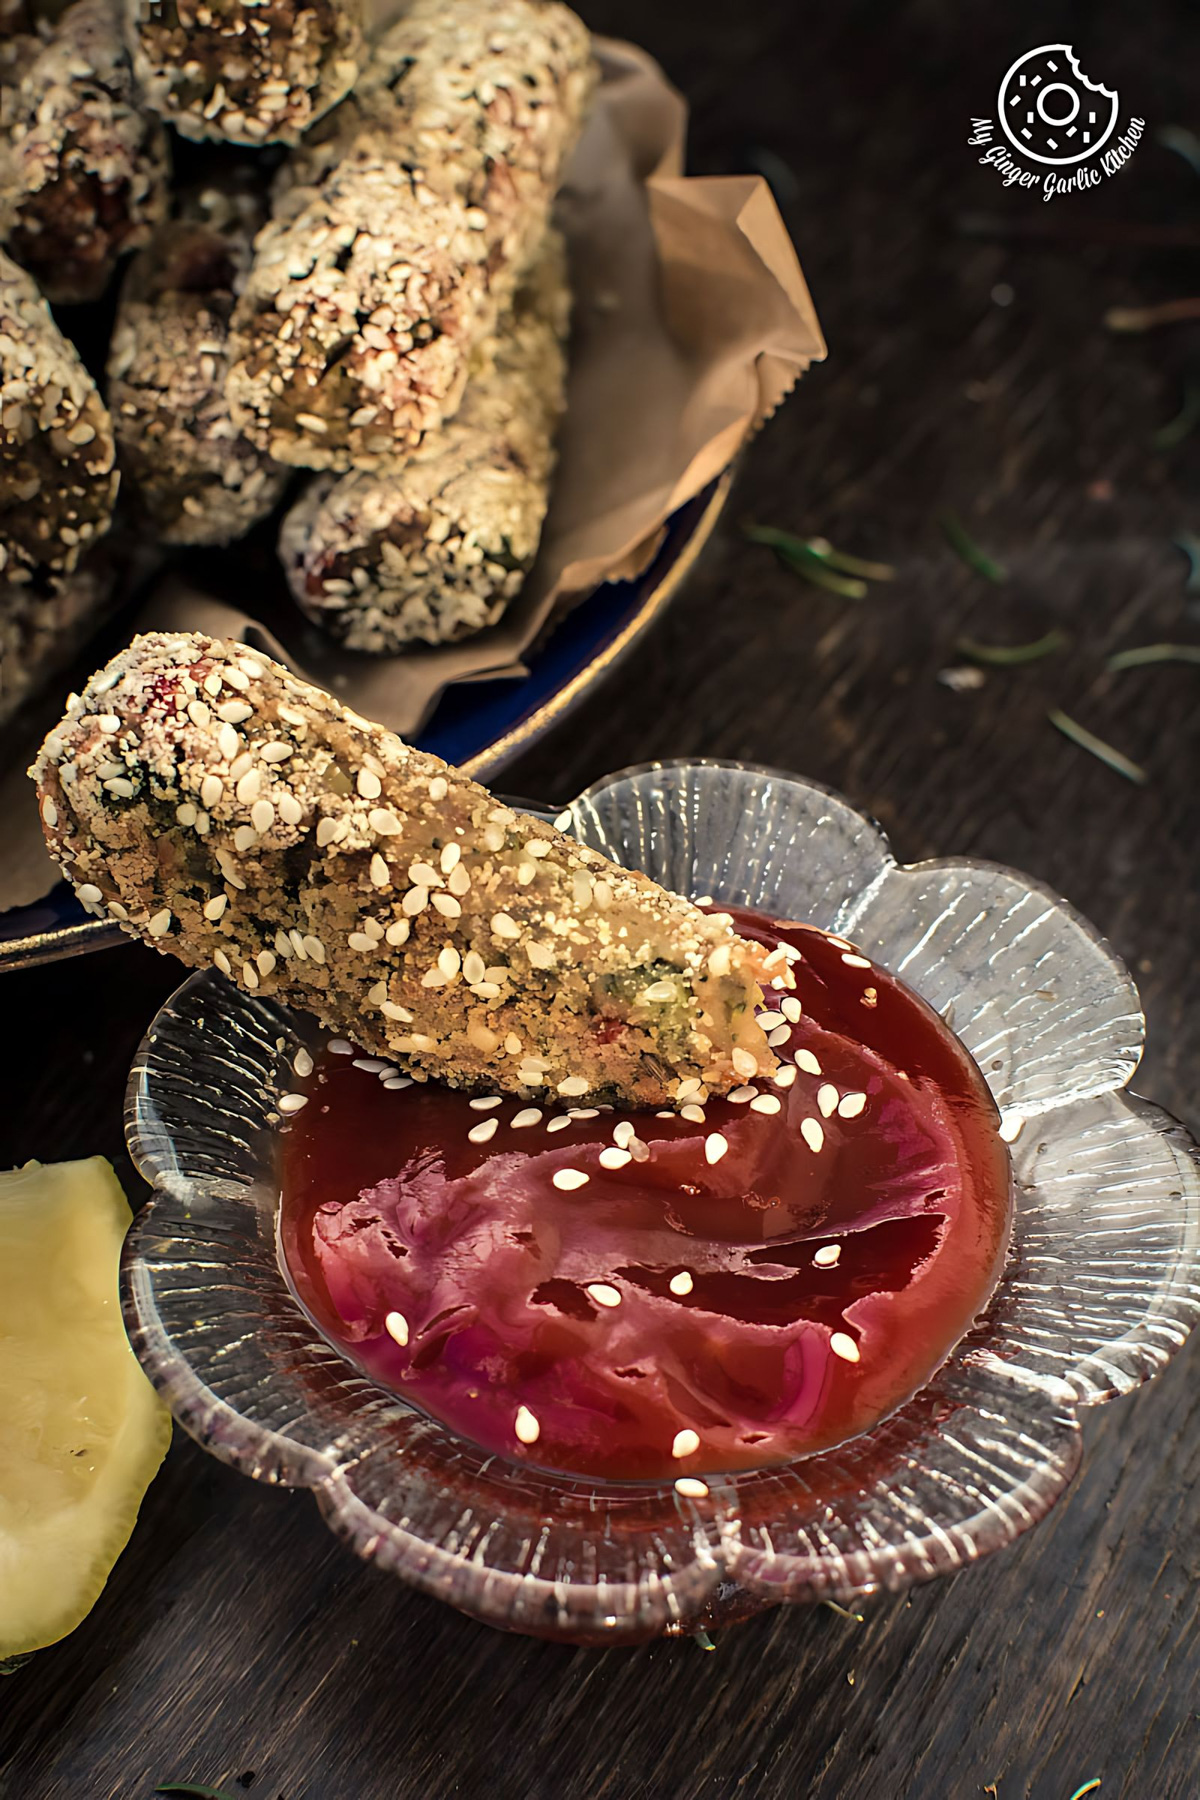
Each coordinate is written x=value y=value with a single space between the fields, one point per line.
x=798 y=555
x=1097 y=747
x=851 y=565
x=1190 y=545
x=11 y=1664
x=1153 y=653
x=1183 y=142
x=843 y=1611
x=960 y=540
x=1184 y=423
x=1089 y=1787
x=1008 y=656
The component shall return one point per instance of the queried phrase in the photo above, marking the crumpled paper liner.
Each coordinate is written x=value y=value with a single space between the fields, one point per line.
x=691 y=323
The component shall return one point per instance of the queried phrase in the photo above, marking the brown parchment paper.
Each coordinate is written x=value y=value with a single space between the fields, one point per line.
x=691 y=323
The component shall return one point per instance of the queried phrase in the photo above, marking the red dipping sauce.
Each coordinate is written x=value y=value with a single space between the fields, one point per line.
x=673 y=1315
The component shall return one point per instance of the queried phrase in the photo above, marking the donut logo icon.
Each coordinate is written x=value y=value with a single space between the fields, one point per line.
x=1050 y=111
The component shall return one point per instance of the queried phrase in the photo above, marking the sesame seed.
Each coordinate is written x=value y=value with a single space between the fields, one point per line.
x=234 y=678
x=291 y=1103
x=660 y=991
x=685 y=1443
x=216 y=906
x=248 y=787
x=681 y=1284
x=850 y=1105
x=244 y=837
x=827 y=1255
x=122 y=789
x=640 y=1152
x=423 y=874
x=843 y=1345
x=743 y=1062
x=779 y=1036
x=449 y=961
x=561 y=1120
x=234 y=712
x=785 y=1075
x=686 y=1088
x=695 y=1114
x=439 y=787
x=447 y=905
x=715 y=1146
x=391 y=1009
x=314 y=947
x=526 y=1426
x=459 y=881
x=812 y=1133
x=262 y=816
x=382 y=822
x=791 y=1008
x=603 y=1294
x=505 y=927
x=160 y=924
x=228 y=742
x=827 y=1099
x=249 y=975
x=397 y=932
x=276 y=751
x=396 y=1326
x=569 y=1179
x=804 y=1059
x=222 y=962
x=108 y=722
x=486 y=1128
x=450 y=857
x=573 y=1084
x=89 y=893
x=379 y=872
x=371 y=1065
x=49 y=812
x=740 y=1095
x=198 y=713
x=186 y=814
x=473 y=967
x=340 y=1047
x=623 y=1132
x=415 y=901
x=358 y=940
x=856 y=962
x=395 y=1084
x=211 y=789
x=614 y=1158
x=369 y=786
x=770 y=1020
x=512 y=1044
x=691 y=1487
x=325 y=830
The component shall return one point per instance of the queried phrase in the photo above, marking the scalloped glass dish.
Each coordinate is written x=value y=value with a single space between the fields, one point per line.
x=1101 y=1286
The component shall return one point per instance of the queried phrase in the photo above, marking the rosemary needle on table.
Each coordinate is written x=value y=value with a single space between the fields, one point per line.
x=960 y=540
x=1145 y=654
x=1105 y=753
x=1009 y=656
x=815 y=560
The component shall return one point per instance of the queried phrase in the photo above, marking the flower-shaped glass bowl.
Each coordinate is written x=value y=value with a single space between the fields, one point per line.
x=1101 y=1286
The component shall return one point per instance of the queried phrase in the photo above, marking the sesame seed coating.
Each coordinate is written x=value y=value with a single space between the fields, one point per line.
x=197 y=477
x=573 y=1013
x=398 y=232
x=436 y=549
x=247 y=71
x=58 y=479
x=83 y=171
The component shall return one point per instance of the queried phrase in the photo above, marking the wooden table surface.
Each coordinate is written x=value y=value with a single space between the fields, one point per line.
x=237 y=1643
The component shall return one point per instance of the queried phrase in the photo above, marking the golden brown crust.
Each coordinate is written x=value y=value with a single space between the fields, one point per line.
x=226 y=811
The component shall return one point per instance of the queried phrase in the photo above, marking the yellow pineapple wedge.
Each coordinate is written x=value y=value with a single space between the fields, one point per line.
x=81 y=1429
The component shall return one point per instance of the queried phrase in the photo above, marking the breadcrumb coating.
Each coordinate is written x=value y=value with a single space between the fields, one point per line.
x=58 y=479
x=400 y=229
x=225 y=811
x=83 y=170
x=246 y=71
x=196 y=476
x=436 y=549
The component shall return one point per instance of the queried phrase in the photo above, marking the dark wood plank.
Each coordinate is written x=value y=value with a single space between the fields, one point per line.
x=237 y=1643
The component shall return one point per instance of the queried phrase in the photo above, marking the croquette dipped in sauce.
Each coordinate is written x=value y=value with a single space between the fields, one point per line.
x=224 y=810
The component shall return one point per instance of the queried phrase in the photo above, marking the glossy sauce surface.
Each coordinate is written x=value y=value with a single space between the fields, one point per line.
x=766 y=1304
